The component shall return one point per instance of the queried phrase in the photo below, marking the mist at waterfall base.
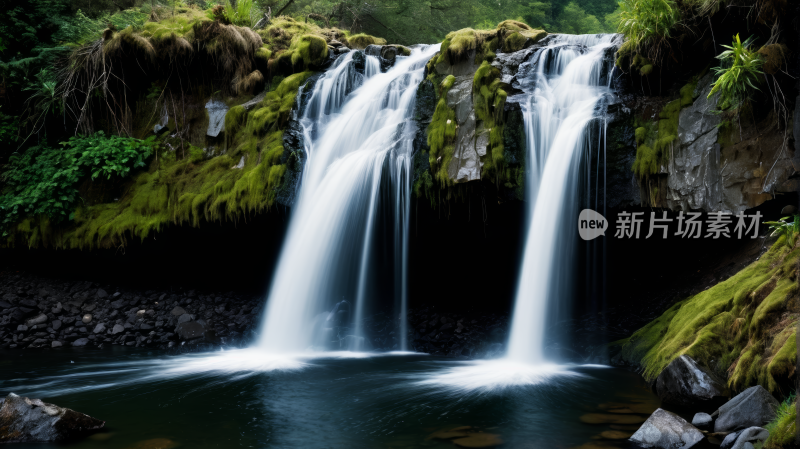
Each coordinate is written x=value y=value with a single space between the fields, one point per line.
x=566 y=84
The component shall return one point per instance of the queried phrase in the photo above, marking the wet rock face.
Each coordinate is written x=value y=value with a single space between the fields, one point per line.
x=471 y=141
x=666 y=430
x=24 y=420
x=703 y=174
x=684 y=382
x=752 y=407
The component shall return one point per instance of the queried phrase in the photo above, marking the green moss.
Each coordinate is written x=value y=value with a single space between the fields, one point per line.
x=513 y=25
x=442 y=134
x=458 y=45
x=655 y=140
x=307 y=51
x=362 y=41
x=742 y=328
x=518 y=40
x=489 y=100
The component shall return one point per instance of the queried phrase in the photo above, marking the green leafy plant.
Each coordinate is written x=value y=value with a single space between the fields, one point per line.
x=44 y=180
x=738 y=74
x=647 y=25
x=785 y=227
x=110 y=155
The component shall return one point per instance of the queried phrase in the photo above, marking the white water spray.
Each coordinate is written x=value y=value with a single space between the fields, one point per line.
x=353 y=139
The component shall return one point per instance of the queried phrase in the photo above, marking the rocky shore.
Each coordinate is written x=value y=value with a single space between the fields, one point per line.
x=44 y=313
x=38 y=312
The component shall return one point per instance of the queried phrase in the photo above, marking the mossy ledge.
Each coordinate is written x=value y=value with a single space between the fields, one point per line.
x=743 y=328
x=185 y=189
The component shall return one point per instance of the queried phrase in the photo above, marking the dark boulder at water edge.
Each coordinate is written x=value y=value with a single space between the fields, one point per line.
x=24 y=420
x=752 y=407
x=684 y=382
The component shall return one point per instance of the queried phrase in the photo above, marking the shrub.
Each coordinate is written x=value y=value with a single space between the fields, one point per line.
x=738 y=74
x=44 y=180
x=647 y=24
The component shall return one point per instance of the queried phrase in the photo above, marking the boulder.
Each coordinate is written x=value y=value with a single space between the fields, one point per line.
x=102 y=294
x=56 y=344
x=118 y=328
x=24 y=420
x=666 y=430
x=39 y=319
x=87 y=318
x=80 y=342
x=29 y=303
x=190 y=330
x=118 y=304
x=702 y=421
x=185 y=318
x=744 y=439
x=178 y=311
x=752 y=407
x=389 y=53
x=100 y=328
x=56 y=325
x=684 y=382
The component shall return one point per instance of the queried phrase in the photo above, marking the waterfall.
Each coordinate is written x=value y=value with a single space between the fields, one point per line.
x=569 y=83
x=358 y=138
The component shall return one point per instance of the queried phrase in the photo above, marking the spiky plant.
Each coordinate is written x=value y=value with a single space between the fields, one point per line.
x=785 y=227
x=738 y=74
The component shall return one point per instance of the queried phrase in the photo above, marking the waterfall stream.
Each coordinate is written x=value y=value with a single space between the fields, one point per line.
x=568 y=89
x=564 y=82
x=358 y=140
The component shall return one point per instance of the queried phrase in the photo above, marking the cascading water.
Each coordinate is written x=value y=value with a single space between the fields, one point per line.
x=564 y=83
x=568 y=82
x=358 y=139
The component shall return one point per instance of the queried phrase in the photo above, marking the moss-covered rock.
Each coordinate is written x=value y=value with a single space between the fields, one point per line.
x=743 y=328
x=362 y=41
x=489 y=99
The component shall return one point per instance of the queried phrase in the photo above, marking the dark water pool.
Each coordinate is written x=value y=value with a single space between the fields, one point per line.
x=242 y=399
